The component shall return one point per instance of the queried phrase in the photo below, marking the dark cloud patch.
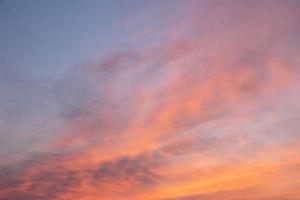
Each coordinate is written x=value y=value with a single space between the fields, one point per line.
x=9 y=178
x=14 y=175
x=47 y=178
x=22 y=195
x=37 y=178
x=123 y=60
x=52 y=184
x=129 y=175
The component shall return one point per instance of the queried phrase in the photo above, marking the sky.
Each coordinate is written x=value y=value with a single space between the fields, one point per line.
x=149 y=100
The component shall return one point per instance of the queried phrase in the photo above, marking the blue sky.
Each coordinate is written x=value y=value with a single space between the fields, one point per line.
x=43 y=38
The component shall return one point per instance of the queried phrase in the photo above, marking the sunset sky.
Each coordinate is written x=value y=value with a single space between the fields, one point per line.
x=150 y=100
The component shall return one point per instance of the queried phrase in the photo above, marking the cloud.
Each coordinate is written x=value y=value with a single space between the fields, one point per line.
x=208 y=112
x=49 y=177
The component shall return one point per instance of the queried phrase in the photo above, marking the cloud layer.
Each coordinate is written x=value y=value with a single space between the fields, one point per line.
x=209 y=113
